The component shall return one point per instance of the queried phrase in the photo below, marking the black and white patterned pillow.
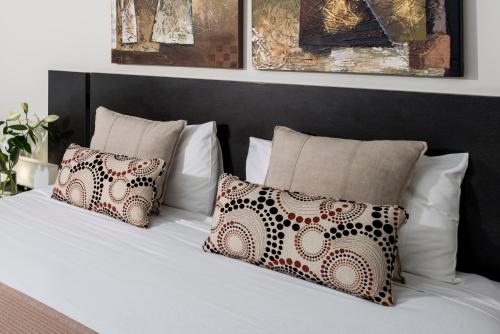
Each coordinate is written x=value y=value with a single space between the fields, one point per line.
x=343 y=245
x=114 y=185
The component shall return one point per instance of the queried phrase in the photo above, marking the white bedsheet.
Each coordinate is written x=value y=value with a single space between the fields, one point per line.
x=116 y=278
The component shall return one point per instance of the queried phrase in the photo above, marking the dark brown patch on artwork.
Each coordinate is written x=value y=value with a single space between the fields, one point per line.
x=330 y=23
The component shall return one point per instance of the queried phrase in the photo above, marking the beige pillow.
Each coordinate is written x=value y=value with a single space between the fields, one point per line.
x=364 y=171
x=136 y=137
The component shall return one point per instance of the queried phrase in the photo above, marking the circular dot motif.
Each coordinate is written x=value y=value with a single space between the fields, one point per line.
x=76 y=193
x=64 y=175
x=236 y=240
x=233 y=188
x=135 y=210
x=118 y=190
x=311 y=244
x=347 y=271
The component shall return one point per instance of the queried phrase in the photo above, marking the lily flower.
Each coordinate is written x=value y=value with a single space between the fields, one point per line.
x=14 y=116
x=51 y=118
x=4 y=144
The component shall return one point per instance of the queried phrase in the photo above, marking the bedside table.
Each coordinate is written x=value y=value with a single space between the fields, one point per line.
x=33 y=174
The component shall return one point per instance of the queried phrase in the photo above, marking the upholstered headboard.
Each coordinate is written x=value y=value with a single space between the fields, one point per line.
x=449 y=123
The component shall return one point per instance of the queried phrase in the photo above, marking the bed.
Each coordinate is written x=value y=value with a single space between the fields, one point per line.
x=115 y=278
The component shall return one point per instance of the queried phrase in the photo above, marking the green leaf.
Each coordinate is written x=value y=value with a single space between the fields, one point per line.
x=32 y=136
x=17 y=141
x=21 y=143
x=18 y=127
x=25 y=145
x=27 y=148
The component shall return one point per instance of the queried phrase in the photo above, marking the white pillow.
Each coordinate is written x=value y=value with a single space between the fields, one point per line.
x=258 y=159
x=428 y=242
x=192 y=183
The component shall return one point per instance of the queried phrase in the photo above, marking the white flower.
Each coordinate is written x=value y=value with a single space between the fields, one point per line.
x=25 y=107
x=33 y=120
x=51 y=118
x=4 y=143
x=14 y=116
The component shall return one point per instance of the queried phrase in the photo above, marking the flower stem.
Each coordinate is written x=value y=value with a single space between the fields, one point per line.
x=13 y=184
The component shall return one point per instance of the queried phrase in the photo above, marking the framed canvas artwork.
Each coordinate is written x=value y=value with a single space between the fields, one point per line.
x=202 y=33
x=399 y=37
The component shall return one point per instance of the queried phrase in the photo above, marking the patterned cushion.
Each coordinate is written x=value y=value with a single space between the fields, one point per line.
x=114 y=185
x=343 y=245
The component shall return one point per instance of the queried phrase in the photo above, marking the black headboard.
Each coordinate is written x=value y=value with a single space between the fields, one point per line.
x=449 y=123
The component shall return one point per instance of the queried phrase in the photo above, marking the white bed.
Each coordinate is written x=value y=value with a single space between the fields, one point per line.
x=116 y=278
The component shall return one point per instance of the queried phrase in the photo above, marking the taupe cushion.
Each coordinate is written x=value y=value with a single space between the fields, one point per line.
x=136 y=137
x=363 y=171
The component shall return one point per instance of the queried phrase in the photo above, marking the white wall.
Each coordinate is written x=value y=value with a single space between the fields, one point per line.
x=74 y=35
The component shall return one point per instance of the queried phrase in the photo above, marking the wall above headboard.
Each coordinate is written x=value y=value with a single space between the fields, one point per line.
x=75 y=36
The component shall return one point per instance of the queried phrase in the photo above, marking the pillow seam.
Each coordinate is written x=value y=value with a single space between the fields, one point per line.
x=297 y=162
x=115 y=118
x=349 y=169
x=141 y=138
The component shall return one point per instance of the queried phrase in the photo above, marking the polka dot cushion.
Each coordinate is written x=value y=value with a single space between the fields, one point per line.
x=114 y=185
x=342 y=245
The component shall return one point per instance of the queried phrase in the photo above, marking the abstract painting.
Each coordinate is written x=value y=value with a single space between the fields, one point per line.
x=201 y=33
x=399 y=37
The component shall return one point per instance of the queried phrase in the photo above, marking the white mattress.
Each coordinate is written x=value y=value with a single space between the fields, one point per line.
x=116 y=278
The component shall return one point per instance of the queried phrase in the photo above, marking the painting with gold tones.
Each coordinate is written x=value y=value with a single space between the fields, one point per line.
x=399 y=37
x=201 y=33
